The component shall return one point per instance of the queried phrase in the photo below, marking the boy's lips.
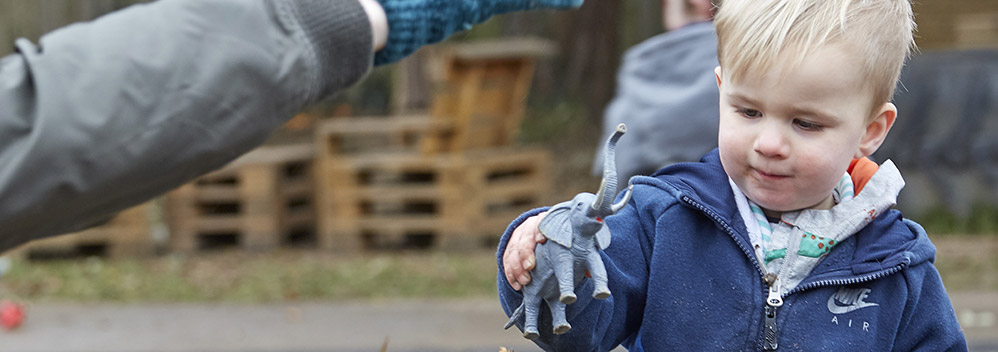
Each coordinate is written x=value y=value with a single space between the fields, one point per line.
x=766 y=176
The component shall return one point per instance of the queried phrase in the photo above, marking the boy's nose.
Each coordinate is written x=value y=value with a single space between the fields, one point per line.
x=771 y=143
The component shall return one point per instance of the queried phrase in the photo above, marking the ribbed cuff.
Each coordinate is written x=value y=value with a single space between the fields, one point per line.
x=414 y=23
x=340 y=34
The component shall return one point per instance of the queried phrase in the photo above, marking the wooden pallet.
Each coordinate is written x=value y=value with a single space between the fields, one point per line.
x=446 y=178
x=128 y=234
x=977 y=30
x=503 y=186
x=258 y=202
x=450 y=202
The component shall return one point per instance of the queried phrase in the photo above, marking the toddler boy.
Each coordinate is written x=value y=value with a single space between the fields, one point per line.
x=783 y=237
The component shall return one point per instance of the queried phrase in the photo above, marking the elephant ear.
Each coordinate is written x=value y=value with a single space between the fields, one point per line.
x=557 y=225
x=603 y=237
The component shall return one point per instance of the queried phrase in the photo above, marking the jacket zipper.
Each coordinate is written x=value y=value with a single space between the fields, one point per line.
x=773 y=301
x=850 y=281
x=771 y=282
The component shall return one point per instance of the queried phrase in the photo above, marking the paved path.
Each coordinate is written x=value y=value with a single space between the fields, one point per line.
x=474 y=325
x=978 y=315
x=465 y=325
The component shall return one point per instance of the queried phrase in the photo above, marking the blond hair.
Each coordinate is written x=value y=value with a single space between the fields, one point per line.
x=752 y=34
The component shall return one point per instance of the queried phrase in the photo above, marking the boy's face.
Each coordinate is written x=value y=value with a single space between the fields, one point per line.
x=786 y=138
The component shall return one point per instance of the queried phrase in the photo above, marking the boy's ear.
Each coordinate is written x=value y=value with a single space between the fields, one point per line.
x=717 y=75
x=876 y=130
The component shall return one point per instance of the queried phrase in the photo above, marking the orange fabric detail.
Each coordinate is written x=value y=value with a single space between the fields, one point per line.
x=861 y=171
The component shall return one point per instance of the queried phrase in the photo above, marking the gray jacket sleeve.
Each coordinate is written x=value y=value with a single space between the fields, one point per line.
x=101 y=116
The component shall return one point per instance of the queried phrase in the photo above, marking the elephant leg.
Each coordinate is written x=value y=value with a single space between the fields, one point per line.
x=531 y=308
x=601 y=288
x=561 y=325
x=564 y=267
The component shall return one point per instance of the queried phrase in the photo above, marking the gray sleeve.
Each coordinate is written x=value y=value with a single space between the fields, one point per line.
x=101 y=116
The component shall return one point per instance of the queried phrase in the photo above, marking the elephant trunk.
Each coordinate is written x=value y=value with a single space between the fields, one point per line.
x=608 y=187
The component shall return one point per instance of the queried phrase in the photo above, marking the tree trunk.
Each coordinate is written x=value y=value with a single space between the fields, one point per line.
x=591 y=54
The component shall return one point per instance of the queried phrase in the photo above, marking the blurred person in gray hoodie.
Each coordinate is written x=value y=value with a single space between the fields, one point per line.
x=667 y=94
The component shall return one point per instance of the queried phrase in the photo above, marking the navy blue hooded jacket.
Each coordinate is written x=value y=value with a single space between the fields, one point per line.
x=683 y=277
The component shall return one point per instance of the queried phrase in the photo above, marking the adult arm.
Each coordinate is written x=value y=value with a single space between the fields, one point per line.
x=104 y=115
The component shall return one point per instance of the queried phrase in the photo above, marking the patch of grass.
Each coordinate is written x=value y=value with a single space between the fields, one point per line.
x=242 y=277
x=982 y=220
x=968 y=263
x=561 y=123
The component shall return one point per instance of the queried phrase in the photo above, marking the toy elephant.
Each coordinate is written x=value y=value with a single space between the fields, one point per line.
x=575 y=233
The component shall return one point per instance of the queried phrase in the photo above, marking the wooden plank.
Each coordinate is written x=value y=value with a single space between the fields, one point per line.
x=977 y=30
x=217 y=193
x=279 y=154
x=513 y=189
x=219 y=224
x=298 y=188
x=398 y=193
x=128 y=234
x=506 y=48
x=262 y=202
x=380 y=125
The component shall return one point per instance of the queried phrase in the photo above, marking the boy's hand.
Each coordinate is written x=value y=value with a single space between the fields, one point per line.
x=414 y=23
x=518 y=259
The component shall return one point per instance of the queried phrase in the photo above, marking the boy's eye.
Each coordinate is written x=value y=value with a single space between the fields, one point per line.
x=807 y=125
x=750 y=113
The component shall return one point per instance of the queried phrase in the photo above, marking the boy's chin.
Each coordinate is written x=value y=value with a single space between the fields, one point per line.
x=784 y=207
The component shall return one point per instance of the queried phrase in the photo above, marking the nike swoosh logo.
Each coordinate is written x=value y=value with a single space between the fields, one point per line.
x=835 y=308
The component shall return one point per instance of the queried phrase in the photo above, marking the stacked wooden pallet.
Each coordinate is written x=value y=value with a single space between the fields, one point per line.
x=128 y=234
x=397 y=200
x=258 y=202
x=977 y=30
x=449 y=179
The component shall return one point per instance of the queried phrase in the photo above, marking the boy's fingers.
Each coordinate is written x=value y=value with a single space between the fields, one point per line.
x=524 y=279
x=511 y=267
x=540 y=238
x=518 y=260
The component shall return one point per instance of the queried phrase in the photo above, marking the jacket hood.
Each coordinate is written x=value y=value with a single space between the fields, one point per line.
x=694 y=49
x=889 y=241
x=666 y=81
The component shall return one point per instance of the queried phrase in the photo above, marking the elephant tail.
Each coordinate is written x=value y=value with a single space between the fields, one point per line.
x=517 y=314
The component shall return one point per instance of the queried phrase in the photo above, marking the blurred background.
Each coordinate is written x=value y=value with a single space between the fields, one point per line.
x=370 y=220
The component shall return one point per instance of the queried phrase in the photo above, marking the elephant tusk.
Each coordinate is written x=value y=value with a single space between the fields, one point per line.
x=623 y=202
x=608 y=188
x=599 y=195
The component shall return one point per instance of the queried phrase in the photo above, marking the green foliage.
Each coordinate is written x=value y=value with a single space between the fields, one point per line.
x=557 y=124
x=982 y=220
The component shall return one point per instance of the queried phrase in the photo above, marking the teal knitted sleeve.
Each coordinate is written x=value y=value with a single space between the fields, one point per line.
x=414 y=23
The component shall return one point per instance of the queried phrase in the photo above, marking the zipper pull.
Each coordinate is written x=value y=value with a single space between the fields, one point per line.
x=773 y=301
x=769 y=330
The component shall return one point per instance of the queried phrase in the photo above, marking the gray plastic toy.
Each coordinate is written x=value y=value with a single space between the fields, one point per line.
x=575 y=233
